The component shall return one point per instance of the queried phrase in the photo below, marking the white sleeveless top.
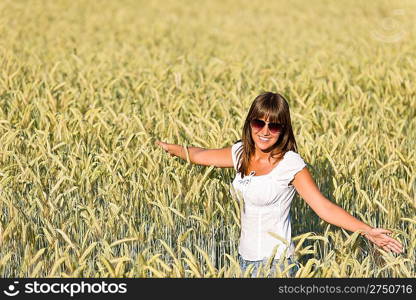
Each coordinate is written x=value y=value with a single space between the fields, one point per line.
x=265 y=212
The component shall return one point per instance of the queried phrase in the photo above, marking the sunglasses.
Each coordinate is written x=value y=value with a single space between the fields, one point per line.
x=258 y=125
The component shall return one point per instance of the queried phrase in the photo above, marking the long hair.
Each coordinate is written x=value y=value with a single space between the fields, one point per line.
x=275 y=107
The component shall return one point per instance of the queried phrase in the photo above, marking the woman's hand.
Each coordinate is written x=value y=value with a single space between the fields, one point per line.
x=165 y=147
x=379 y=236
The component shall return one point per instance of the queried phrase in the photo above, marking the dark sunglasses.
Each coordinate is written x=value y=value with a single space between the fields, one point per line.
x=258 y=125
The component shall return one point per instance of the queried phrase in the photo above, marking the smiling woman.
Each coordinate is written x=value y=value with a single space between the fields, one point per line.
x=269 y=173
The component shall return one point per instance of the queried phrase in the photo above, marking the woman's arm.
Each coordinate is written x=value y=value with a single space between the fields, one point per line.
x=178 y=150
x=336 y=215
x=207 y=157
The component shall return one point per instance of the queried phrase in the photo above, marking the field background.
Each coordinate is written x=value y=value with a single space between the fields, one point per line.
x=86 y=87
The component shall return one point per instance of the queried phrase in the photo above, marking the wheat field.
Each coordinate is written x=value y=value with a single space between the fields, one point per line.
x=86 y=87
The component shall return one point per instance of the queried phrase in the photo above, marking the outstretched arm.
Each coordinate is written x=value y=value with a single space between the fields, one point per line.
x=207 y=157
x=336 y=215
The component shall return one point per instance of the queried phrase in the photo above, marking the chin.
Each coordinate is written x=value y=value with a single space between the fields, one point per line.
x=266 y=145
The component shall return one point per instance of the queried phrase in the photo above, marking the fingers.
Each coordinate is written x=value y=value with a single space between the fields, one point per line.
x=386 y=248
x=395 y=243
x=162 y=144
x=390 y=242
x=391 y=246
x=386 y=242
x=395 y=248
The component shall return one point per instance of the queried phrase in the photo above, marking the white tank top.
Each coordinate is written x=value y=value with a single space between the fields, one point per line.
x=265 y=212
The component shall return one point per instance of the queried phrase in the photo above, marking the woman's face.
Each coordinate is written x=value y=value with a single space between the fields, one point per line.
x=263 y=138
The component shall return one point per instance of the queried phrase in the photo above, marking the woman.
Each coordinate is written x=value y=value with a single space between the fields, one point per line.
x=269 y=170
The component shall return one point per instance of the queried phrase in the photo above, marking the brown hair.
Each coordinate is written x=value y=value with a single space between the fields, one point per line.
x=274 y=106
